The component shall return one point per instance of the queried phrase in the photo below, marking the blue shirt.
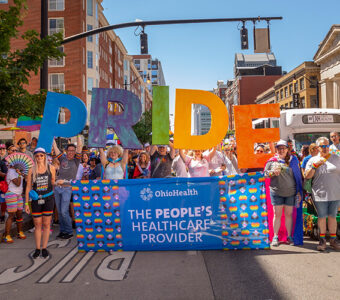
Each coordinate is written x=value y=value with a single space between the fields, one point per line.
x=305 y=161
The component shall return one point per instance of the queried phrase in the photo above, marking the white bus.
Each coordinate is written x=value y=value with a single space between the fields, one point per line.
x=303 y=126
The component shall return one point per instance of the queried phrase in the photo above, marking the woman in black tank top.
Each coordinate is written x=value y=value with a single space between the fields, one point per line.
x=41 y=179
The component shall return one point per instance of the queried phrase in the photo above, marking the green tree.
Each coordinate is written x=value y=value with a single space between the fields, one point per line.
x=144 y=127
x=17 y=65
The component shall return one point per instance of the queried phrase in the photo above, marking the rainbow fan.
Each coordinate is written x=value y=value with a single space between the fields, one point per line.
x=20 y=161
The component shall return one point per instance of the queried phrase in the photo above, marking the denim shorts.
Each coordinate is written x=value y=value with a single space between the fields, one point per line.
x=278 y=200
x=327 y=208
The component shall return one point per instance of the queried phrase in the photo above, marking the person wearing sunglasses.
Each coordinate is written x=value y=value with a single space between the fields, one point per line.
x=40 y=182
x=285 y=187
x=325 y=171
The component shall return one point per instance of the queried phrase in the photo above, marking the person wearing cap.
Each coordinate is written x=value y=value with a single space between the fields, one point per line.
x=14 y=201
x=324 y=168
x=41 y=179
x=22 y=143
x=68 y=168
x=285 y=188
x=147 y=147
x=161 y=160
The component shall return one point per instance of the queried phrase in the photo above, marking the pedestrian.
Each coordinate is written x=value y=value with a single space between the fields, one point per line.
x=34 y=142
x=84 y=167
x=14 y=202
x=40 y=182
x=285 y=188
x=324 y=168
x=335 y=147
x=3 y=189
x=22 y=143
x=161 y=160
x=143 y=166
x=313 y=151
x=114 y=162
x=68 y=168
x=178 y=166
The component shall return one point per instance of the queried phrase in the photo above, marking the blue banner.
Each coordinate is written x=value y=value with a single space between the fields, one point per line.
x=172 y=213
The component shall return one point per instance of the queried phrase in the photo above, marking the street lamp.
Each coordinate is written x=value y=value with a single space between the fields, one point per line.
x=142 y=77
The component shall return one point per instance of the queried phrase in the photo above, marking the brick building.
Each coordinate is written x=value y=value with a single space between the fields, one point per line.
x=95 y=61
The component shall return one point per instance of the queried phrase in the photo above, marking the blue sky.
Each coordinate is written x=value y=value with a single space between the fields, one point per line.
x=195 y=56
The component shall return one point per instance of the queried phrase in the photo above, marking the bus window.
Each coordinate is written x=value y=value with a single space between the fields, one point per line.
x=307 y=138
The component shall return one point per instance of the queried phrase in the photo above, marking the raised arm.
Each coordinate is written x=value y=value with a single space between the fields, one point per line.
x=55 y=148
x=125 y=157
x=172 y=150
x=79 y=144
x=153 y=149
x=103 y=159
x=183 y=156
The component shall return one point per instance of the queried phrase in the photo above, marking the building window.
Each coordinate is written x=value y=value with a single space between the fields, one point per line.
x=313 y=102
x=302 y=102
x=56 y=82
x=296 y=88
x=57 y=62
x=302 y=84
x=290 y=89
x=3 y=1
x=313 y=82
x=89 y=85
x=281 y=94
x=90 y=37
x=89 y=7
x=277 y=96
x=90 y=59
x=286 y=92
x=126 y=65
x=55 y=25
x=56 y=4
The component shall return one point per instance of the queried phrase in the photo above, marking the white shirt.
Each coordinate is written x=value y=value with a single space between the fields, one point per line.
x=12 y=174
x=179 y=167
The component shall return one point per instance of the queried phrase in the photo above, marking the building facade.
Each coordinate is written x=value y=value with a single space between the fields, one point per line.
x=201 y=119
x=328 y=58
x=95 y=61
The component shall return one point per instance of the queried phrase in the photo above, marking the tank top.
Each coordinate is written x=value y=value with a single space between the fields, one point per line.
x=43 y=183
x=114 y=172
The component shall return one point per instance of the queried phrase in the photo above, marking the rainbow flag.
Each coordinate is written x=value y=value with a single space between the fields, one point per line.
x=29 y=124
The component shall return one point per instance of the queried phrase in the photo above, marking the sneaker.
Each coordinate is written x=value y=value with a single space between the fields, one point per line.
x=21 y=235
x=31 y=230
x=7 y=239
x=36 y=253
x=45 y=253
x=322 y=245
x=60 y=235
x=67 y=236
x=275 y=241
x=334 y=244
x=290 y=240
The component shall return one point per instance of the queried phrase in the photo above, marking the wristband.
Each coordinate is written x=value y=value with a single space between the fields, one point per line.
x=26 y=203
x=314 y=166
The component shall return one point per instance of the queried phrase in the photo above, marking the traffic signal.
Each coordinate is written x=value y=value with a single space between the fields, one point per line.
x=296 y=100
x=244 y=38
x=143 y=43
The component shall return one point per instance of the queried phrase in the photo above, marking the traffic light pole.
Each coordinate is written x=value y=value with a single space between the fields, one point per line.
x=164 y=22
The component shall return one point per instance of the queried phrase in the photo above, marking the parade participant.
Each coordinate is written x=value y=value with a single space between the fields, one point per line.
x=14 y=203
x=325 y=171
x=114 y=162
x=217 y=163
x=178 y=166
x=131 y=163
x=33 y=144
x=40 y=182
x=198 y=165
x=22 y=143
x=95 y=168
x=68 y=168
x=258 y=149
x=3 y=190
x=143 y=166
x=285 y=187
x=147 y=148
x=232 y=164
x=161 y=160
x=335 y=147
x=291 y=149
x=2 y=151
x=313 y=150
x=84 y=168
x=304 y=152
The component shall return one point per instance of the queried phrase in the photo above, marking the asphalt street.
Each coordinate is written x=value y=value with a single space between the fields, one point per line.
x=286 y=272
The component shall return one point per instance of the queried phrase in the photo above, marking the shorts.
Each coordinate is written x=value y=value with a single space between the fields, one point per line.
x=278 y=200
x=14 y=202
x=327 y=208
x=40 y=210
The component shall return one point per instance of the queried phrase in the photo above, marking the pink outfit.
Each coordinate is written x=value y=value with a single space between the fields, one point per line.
x=197 y=168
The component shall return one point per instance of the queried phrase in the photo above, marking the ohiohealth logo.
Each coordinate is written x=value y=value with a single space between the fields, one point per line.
x=146 y=194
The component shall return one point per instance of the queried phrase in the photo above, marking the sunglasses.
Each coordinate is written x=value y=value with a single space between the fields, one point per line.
x=324 y=146
x=259 y=151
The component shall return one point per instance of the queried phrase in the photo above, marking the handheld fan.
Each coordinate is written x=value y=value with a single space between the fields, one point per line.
x=20 y=161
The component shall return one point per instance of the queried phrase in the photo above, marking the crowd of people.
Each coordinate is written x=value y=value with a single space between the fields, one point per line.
x=48 y=182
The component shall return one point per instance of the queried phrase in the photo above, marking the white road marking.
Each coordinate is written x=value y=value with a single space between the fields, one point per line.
x=105 y=273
